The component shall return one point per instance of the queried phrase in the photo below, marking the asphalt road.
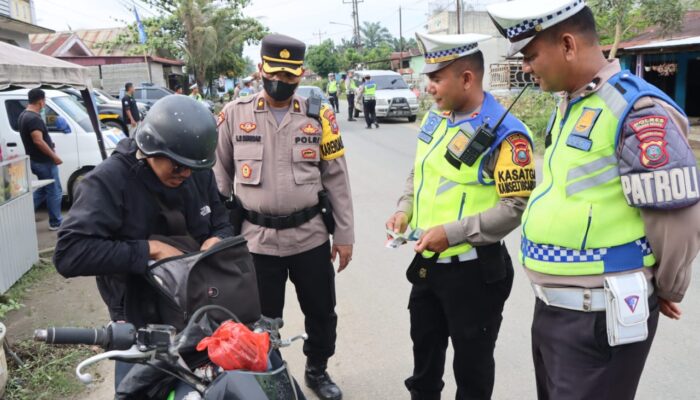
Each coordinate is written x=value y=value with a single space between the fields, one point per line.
x=374 y=348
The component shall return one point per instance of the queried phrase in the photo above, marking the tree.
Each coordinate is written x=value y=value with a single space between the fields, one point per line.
x=407 y=44
x=209 y=34
x=373 y=34
x=379 y=57
x=323 y=58
x=620 y=19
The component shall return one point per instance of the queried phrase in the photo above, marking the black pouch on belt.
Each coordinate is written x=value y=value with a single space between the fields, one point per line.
x=236 y=213
x=419 y=269
x=326 y=209
x=492 y=262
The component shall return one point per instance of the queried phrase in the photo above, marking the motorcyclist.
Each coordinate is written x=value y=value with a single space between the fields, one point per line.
x=108 y=231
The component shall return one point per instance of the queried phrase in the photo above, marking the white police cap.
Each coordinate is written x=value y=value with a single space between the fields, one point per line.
x=520 y=20
x=442 y=50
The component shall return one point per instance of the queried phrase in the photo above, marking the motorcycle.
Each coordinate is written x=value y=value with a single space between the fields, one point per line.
x=160 y=350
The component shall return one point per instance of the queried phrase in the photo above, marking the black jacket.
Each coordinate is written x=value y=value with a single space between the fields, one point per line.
x=115 y=212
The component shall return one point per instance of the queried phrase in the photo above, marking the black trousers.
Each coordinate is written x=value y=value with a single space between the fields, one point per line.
x=574 y=361
x=369 y=111
x=458 y=304
x=351 y=106
x=314 y=279
x=333 y=99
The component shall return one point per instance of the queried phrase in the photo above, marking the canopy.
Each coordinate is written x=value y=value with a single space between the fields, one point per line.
x=24 y=68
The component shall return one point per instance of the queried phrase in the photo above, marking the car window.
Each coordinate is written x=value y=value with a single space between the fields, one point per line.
x=14 y=109
x=138 y=93
x=155 y=94
x=75 y=111
x=389 y=82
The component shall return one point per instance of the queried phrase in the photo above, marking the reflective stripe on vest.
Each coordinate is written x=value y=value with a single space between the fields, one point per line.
x=443 y=192
x=578 y=221
x=332 y=87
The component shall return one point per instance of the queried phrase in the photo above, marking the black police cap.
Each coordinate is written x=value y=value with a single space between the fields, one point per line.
x=282 y=53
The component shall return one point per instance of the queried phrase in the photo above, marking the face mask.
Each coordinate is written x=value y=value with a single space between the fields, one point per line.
x=279 y=90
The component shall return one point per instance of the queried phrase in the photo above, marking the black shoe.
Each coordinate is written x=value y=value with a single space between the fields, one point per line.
x=318 y=380
x=352 y=119
x=368 y=127
x=376 y=125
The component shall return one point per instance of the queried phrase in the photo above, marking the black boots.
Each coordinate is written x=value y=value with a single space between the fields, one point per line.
x=318 y=380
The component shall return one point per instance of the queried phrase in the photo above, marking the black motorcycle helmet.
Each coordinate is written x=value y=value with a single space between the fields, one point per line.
x=180 y=128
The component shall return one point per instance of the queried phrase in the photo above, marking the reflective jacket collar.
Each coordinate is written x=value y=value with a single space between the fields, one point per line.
x=602 y=76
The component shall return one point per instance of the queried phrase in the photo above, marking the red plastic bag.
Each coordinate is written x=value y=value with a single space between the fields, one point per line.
x=233 y=346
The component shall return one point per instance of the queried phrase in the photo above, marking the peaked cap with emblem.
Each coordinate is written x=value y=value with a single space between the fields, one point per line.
x=520 y=20
x=442 y=50
x=282 y=53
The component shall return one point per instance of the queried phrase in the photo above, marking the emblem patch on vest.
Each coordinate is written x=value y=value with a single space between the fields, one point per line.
x=651 y=133
x=579 y=136
x=429 y=128
x=310 y=129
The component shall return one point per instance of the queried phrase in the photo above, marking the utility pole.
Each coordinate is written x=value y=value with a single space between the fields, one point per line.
x=400 y=43
x=320 y=35
x=459 y=16
x=355 y=22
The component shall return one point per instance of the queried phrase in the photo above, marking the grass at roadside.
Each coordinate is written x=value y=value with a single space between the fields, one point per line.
x=46 y=372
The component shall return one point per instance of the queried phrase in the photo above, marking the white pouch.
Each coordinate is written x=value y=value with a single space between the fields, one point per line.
x=626 y=308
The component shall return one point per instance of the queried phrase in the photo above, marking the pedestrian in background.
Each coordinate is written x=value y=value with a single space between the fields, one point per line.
x=130 y=109
x=42 y=156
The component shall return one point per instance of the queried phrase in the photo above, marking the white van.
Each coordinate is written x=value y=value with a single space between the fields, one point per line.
x=76 y=144
x=394 y=98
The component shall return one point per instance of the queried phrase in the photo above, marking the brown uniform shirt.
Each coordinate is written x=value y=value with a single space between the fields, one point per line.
x=674 y=235
x=279 y=170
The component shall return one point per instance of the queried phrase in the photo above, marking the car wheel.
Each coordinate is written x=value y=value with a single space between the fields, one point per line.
x=412 y=118
x=116 y=124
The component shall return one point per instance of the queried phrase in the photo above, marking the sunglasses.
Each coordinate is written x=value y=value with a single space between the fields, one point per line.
x=178 y=168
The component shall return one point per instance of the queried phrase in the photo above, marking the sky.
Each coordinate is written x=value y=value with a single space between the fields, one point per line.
x=306 y=20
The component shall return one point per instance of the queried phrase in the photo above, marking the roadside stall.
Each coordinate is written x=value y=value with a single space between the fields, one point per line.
x=22 y=68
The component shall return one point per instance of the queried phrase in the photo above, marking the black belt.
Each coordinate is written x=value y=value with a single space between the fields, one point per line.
x=282 y=221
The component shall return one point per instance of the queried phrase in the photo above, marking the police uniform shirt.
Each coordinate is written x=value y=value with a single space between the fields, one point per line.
x=279 y=169
x=673 y=235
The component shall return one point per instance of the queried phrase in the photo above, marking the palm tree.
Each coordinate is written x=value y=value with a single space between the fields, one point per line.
x=373 y=34
x=408 y=44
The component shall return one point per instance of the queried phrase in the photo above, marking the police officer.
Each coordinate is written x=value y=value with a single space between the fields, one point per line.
x=332 y=91
x=247 y=89
x=617 y=208
x=368 y=91
x=460 y=208
x=350 y=88
x=130 y=110
x=194 y=92
x=282 y=153
x=116 y=210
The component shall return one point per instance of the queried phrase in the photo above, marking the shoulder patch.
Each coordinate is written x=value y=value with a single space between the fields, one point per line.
x=331 y=141
x=329 y=115
x=514 y=174
x=220 y=119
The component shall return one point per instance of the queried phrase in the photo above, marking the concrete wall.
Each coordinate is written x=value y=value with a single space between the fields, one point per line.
x=115 y=76
x=21 y=39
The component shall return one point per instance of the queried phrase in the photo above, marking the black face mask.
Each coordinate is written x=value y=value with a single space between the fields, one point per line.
x=279 y=90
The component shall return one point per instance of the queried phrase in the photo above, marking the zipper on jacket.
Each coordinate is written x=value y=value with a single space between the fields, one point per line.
x=461 y=206
x=588 y=227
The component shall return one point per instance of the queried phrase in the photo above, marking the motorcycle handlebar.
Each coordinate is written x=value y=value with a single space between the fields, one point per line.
x=116 y=336
x=89 y=336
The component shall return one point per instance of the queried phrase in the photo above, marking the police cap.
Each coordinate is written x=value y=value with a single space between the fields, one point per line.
x=282 y=53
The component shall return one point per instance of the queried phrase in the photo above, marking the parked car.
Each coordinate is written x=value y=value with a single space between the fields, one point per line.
x=103 y=97
x=148 y=93
x=394 y=98
x=308 y=91
x=71 y=131
x=109 y=114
